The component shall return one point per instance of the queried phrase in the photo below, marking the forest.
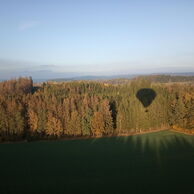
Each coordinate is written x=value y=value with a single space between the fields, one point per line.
x=53 y=110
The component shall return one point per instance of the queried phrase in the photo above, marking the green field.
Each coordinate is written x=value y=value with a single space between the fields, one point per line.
x=161 y=162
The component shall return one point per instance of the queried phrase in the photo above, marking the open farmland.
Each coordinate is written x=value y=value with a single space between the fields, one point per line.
x=161 y=162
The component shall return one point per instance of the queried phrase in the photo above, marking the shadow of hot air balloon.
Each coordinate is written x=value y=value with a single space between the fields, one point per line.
x=146 y=96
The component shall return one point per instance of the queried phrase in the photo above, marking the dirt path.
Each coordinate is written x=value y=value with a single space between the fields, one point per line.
x=91 y=137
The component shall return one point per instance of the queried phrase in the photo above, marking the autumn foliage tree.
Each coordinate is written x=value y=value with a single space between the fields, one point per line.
x=85 y=108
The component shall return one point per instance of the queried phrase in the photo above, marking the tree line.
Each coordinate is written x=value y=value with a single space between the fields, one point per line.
x=85 y=108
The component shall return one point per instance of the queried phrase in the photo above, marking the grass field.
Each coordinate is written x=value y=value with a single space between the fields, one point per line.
x=161 y=162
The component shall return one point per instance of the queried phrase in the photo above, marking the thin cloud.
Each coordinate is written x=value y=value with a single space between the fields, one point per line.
x=28 y=25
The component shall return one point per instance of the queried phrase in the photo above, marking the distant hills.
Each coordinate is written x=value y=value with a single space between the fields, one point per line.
x=154 y=77
x=163 y=78
x=168 y=78
x=89 y=77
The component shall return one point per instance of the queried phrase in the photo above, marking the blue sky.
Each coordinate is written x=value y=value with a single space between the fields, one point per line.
x=54 y=38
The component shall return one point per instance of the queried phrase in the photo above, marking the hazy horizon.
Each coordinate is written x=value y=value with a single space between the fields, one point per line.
x=61 y=39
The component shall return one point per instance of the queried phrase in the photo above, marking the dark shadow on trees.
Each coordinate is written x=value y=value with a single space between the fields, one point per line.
x=35 y=89
x=113 y=109
x=146 y=96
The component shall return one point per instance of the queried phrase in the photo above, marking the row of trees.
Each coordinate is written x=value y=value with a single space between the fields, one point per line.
x=71 y=116
x=90 y=108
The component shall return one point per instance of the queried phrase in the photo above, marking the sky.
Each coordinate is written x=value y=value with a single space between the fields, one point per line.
x=66 y=38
